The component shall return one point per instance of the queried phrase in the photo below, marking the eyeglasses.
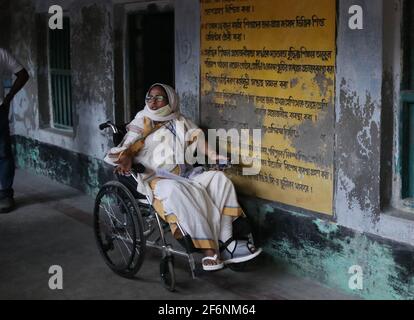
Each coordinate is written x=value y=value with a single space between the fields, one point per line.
x=156 y=98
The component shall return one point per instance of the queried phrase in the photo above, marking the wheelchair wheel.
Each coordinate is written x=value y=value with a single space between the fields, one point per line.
x=118 y=229
x=167 y=273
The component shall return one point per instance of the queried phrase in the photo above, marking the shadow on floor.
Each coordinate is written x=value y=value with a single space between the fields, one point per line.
x=43 y=198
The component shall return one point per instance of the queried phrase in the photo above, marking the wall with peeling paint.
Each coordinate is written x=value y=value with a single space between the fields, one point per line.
x=187 y=57
x=360 y=84
x=92 y=82
x=367 y=228
x=325 y=251
x=92 y=64
x=92 y=76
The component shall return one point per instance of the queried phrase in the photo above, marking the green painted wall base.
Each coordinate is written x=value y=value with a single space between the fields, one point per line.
x=323 y=251
x=77 y=170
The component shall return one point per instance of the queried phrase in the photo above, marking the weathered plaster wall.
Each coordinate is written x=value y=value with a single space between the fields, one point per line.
x=358 y=112
x=92 y=73
x=187 y=56
x=357 y=234
x=324 y=251
x=362 y=234
x=92 y=81
x=358 y=123
x=92 y=63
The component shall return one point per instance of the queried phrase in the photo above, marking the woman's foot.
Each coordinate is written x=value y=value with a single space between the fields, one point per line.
x=211 y=261
x=239 y=251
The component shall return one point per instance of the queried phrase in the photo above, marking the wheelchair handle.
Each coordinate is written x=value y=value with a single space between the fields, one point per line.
x=108 y=124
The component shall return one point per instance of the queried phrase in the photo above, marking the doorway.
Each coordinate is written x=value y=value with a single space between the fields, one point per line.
x=150 y=53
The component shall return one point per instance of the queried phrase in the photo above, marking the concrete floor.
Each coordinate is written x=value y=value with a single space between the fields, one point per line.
x=52 y=226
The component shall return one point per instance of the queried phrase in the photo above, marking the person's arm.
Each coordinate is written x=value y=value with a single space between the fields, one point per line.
x=124 y=163
x=125 y=160
x=138 y=131
x=22 y=78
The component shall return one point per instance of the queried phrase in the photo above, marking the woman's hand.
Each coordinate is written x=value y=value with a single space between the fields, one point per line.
x=124 y=163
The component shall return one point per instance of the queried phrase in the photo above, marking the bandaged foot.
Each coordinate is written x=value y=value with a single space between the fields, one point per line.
x=238 y=251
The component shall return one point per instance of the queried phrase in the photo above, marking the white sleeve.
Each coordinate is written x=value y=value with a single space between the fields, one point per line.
x=10 y=62
x=134 y=133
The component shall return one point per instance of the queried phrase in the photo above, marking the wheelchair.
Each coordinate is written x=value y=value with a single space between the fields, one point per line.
x=126 y=224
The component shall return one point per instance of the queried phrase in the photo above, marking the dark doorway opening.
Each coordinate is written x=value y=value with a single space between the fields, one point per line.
x=151 y=54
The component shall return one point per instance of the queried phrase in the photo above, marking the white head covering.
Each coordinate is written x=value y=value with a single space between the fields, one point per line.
x=173 y=105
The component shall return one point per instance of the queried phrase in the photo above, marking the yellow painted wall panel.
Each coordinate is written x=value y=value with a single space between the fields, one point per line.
x=276 y=60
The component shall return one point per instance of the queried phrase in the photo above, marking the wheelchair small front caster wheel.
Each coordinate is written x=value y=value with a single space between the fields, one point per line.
x=167 y=273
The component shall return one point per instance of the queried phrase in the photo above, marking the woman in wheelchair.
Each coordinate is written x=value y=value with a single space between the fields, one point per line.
x=204 y=202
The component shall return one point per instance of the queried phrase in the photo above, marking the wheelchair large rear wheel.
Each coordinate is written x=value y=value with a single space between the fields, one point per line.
x=118 y=227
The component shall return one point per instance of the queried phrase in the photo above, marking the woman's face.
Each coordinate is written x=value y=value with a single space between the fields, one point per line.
x=157 y=98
